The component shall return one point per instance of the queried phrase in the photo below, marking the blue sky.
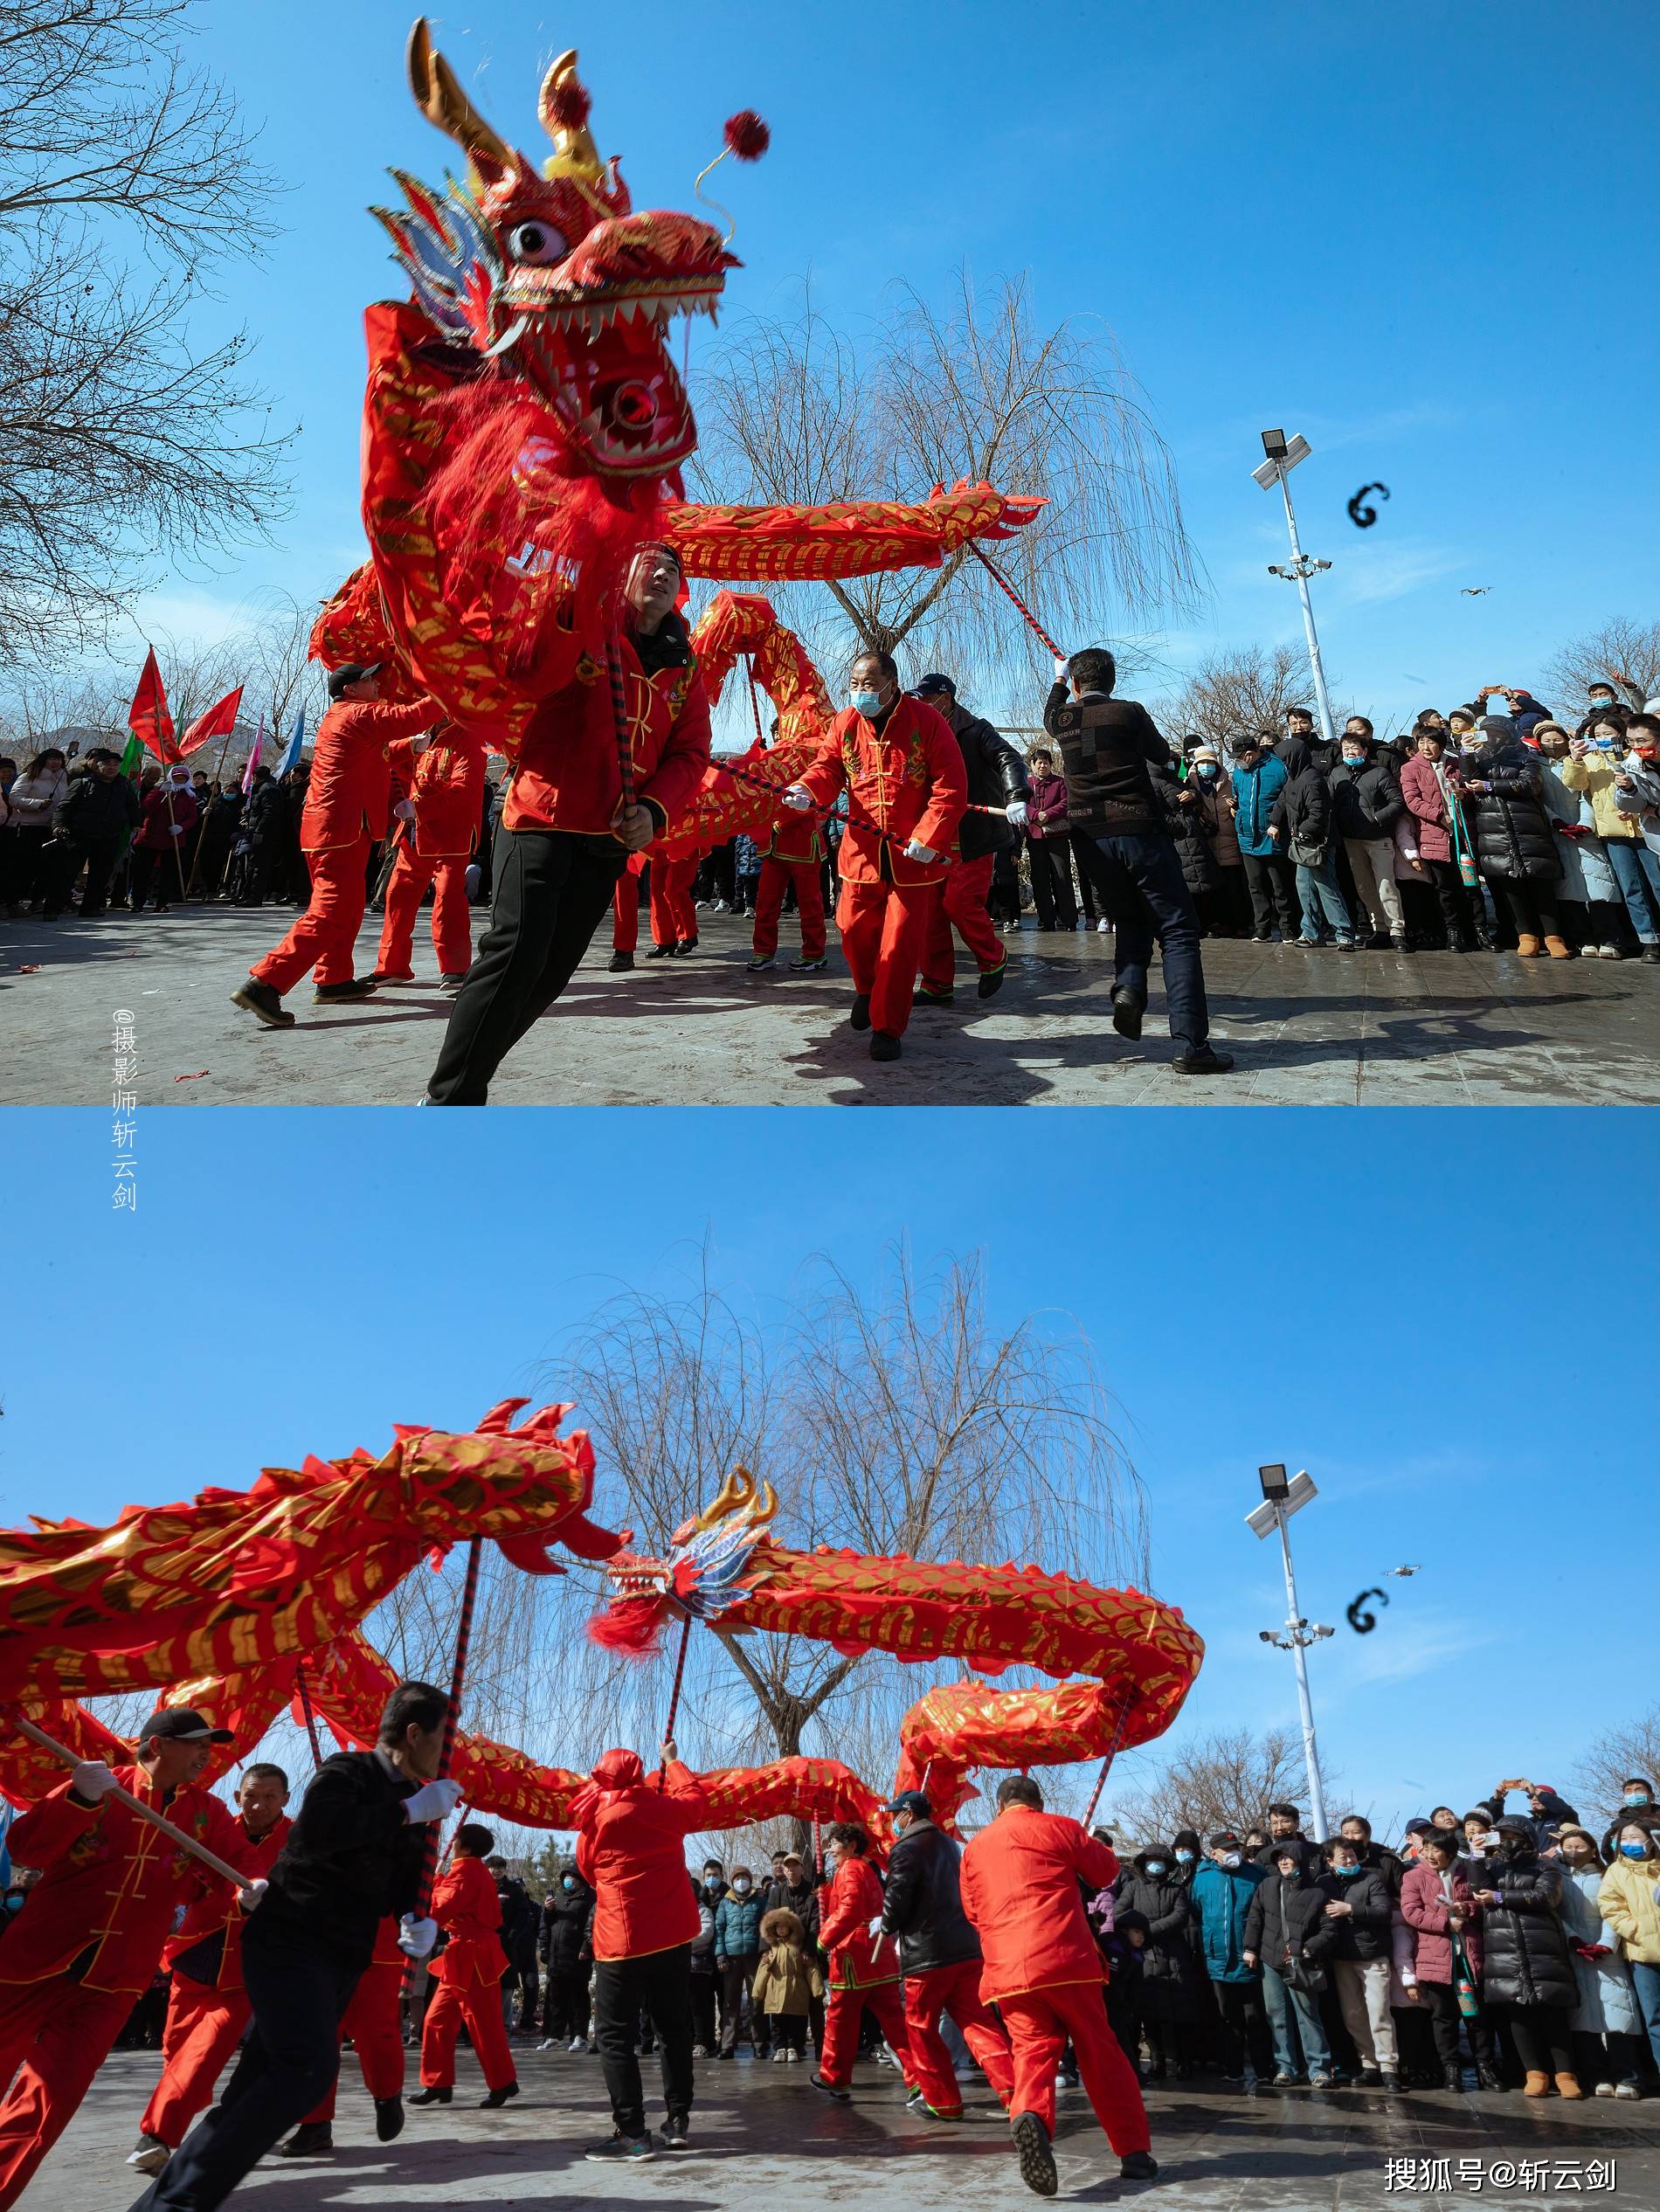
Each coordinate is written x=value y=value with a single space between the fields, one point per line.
x=1412 y=234
x=1403 y=1310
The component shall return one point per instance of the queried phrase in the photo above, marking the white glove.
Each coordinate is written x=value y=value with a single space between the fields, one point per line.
x=416 y=1937
x=1016 y=811
x=1061 y=669
x=924 y=853
x=253 y=1892
x=799 y=798
x=432 y=1802
x=176 y=830
x=417 y=745
x=671 y=1749
x=92 y=1779
x=404 y=810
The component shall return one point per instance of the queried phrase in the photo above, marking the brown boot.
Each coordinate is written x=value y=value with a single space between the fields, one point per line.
x=1557 y=950
x=1528 y=947
x=1568 y=2085
x=1537 y=2085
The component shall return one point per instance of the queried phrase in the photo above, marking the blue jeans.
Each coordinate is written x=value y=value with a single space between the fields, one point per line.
x=1145 y=895
x=1316 y=888
x=1636 y=870
x=1281 y=2001
x=1645 y=1980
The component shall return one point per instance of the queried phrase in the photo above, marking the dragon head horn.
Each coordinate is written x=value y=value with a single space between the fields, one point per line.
x=439 y=95
x=563 y=106
x=739 y=1493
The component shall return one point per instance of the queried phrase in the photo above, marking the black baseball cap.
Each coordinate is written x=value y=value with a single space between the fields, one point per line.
x=353 y=672
x=912 y=1800
x=936 y=682
x=180 y=1725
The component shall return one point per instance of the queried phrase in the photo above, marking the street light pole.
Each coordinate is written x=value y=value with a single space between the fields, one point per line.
x=1300 y=571
x=1299 y=1644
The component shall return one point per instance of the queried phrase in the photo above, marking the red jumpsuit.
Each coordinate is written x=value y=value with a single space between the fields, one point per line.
x=374 y=2022
x=625 y=906
x=961 y=905
x=794 y=854
x=468 y=1971
x=446 y=783
x=207 y=2007
x=673 y=918
x=104 y=1906
x=1043 y=1971
x=861 y=1973
x=909 y=777
x=347 y=803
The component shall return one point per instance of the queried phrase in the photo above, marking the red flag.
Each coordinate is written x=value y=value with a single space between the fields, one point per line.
x=148 y=717
x=218 y=722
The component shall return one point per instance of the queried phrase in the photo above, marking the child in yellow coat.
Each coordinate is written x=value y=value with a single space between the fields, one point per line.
x=785 y=1982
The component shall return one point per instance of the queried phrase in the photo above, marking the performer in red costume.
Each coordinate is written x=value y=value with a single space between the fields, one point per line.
x=996 y=777
x=861 y=1972
x=939 y=1955
x=373 y=2024
x=566 y=832
x=624 y=915
x=673 y=918
x=794 y=854
x=904 y=772
x=631 y=1852
x=468 y=1971
x=207 y=2007
x=1043 y=1973
x=88 y=1938
x=440 y=816
x=348 y=801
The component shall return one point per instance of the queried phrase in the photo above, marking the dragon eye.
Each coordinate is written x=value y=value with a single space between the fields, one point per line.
x=535 y=242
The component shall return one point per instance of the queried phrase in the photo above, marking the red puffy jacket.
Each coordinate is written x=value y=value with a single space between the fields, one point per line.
x=1021 y=1890
x=632 y=1854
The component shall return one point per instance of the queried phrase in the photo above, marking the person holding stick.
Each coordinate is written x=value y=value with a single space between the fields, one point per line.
x=468 y=1907
x=88 y=1940
x=356 y=1853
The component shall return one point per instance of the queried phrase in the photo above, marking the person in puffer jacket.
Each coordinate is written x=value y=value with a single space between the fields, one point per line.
x=1170 y=1987
x=1359 y=1902
x=565 y=1944
x=1607 y=2027
x=1220 y=1899
x=1630 y=1897
x=939 y=1955
x=1527 y=1975
x=1436 y=1903
x=1287 y=1933
x=738 y=1954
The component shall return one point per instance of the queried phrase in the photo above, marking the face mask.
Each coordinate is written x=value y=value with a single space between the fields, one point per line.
x=1207 y=769
x=1636 y=1797
x=1231 y=1858
x=1155 y=1866
x=742 y=1888
x=567 y=1882
x=711 y=1881
x=1354 y=760
x=1633 y=1851
x=867 y=703
x=1345 y=1872
x=1184 y=1858
x=1603 y=744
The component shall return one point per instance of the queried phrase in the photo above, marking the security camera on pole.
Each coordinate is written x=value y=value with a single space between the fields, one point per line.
x=1283 y=457
x=1281 y=1498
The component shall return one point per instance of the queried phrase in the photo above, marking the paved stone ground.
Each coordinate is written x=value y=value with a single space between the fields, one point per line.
x=1307 y=1028
x=764 y=2141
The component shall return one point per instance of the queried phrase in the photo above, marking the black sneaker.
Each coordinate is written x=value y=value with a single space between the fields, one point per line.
x=621 y=964
x=660 y=952
x=1037 y=2159
x=336 y=994
x=829 y=2088
x=1369 y=2077
x=451 y=986
x=883 y=1046
x=431 y=2097
x=1140 y=2166
x=684 y=945
x=805 y=967
x=761 y=963
x=260 y=998
x=1202 y=1061
x=622 y=2150
x=992 y=982
x=309 y=2139
x=677 y=2132
x=389 y=2119
x=497 y=2097
x=859 y=1014
x=1127 y=1010
x=932 y=998
x=1396 y=2083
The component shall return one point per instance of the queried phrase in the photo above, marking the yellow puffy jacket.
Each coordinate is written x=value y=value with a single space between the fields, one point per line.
x=1595 y=775
x=1626 y=1901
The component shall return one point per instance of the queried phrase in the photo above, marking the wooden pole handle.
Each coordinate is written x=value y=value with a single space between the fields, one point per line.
x=210 y=1859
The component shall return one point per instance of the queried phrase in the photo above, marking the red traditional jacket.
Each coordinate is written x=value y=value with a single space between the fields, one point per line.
x=350 y=793
x=467 y=1907
x=567 y=777
x=796 y=838
x=909 y=777
x=446 y=782
x=848 y=1908
x=213 y=1915
x=111 y=1883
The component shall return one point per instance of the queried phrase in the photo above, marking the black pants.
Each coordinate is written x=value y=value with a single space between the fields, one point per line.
x=703 y=2006
x=737 y=2007
x=787 y=2031
x=1454 y=901
x=1540 y=2034
x=659 y=1985
x=1139 y=882
x=1051 y=864
x=1612 y=2057
x=551 y=891
x=1444 y=2020
x=99 y=855
x=565 y=2009
x=153 y=870
x=1531 y=907
x=1243 y=2027
x=299 y=1992
x=21 y=868
x=1272 y=882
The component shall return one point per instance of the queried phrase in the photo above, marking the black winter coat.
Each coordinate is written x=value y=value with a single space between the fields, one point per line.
x=1304 y=811
x=996 y=775
x=565 y=1943
x=1514 y=841
x=1170 y=1973
x=800 y=1897
x=92 y=810
x=1367 y=802
x=1525 y=1954
x=1307 y=1850
x=922 y=1903
x=1363 y=1933
x=1185 y=818
x=1288 y=1916
x=521 y=1923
